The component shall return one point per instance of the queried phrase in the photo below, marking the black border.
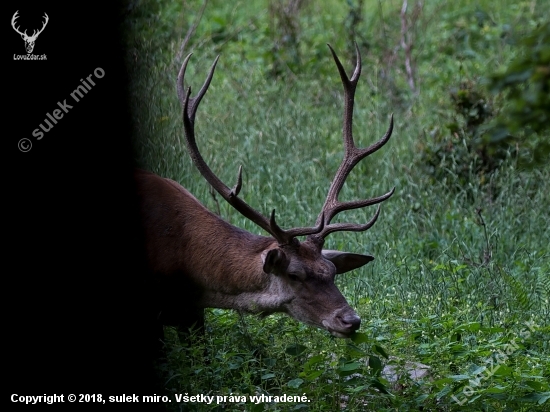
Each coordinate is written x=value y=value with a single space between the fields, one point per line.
x=74 y=297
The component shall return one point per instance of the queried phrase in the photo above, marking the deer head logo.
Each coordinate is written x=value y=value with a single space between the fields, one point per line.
x=29 y=40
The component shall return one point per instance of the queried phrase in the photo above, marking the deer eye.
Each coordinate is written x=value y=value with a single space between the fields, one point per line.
x=293 y=277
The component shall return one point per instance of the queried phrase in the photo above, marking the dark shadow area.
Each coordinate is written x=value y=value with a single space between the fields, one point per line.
x=75 y=308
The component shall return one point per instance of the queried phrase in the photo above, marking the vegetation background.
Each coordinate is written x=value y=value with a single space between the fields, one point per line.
x=461 y=277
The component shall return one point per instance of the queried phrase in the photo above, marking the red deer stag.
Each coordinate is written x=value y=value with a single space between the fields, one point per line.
x=199 y=260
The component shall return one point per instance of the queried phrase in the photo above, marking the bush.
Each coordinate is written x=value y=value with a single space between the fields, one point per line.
x=525 y=119
x=460 y=152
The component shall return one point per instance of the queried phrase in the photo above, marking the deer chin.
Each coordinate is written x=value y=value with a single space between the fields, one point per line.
x=341 y=335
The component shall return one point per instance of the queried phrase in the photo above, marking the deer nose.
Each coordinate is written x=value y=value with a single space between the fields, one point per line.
x=350 y=321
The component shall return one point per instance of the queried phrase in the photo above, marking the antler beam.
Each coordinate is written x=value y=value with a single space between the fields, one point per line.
x=352 y=156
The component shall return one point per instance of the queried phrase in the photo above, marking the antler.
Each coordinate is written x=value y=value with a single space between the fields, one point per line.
x=35 y=33
x=15 y=17
x=352 y=156
x=190 y=105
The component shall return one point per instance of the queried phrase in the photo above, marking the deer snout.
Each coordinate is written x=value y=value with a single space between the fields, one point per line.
x=350 y=321
x=343 y=324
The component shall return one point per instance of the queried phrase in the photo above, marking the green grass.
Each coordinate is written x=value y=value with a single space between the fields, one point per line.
x=459 y=268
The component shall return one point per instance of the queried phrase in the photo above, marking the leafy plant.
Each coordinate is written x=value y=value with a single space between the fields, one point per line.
x=525 y=119
x=461 y=152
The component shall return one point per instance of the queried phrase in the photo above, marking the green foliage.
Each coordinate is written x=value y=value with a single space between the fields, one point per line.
x=462 y=259
x=353 y=23
x=460 y=152
x=527 y=81
x=285 y=24
x=483 y=130
x=248 y=366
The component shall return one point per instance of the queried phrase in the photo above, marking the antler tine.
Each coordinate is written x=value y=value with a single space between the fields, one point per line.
x=190 y=105
x=287 y=237
x=351 y=227
x=352 y=156
x=303 y=231
x=179 y=82
x=37 y=32
x=13 y=22
x=349 y=94
x=194 y=101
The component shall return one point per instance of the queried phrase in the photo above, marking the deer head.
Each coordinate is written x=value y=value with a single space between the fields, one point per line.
x=29 y=40
x=303 y=272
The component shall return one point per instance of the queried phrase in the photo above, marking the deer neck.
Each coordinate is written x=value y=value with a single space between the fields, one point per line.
x=236 y=279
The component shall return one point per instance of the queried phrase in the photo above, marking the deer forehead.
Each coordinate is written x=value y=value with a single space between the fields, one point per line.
x=308 y=260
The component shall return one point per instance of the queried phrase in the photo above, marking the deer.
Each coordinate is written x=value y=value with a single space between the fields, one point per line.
x=198 y=260
x=29 y=40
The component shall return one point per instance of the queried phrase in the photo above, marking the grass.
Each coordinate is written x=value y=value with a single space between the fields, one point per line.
x=459 y=269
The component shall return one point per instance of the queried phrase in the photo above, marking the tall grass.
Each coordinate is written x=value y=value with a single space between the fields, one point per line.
x=458 y=269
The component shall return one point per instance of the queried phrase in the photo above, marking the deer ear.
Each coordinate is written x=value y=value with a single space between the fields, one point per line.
x=344 y=261
x=275 y=262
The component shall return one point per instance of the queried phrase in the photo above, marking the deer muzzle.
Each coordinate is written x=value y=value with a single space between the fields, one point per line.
x=343 y=324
